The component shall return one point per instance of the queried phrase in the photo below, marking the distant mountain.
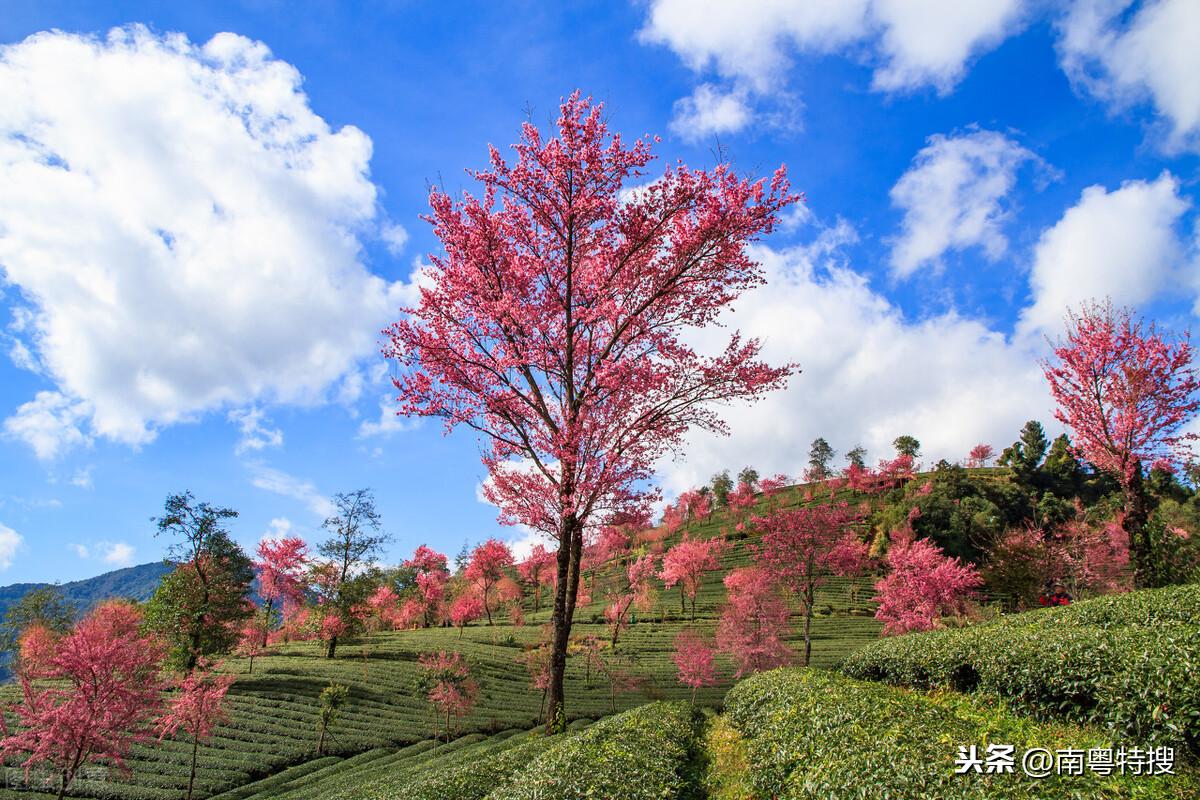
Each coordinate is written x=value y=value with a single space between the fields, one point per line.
x=136 y=583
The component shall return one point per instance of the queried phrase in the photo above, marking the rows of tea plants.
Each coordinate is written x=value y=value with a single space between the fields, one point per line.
x=1130 y=663
x=795 y=733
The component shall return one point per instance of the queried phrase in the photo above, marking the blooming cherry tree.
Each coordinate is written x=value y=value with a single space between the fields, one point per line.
x=754 y=624
x=694 y=660
x=486 y=571
x=921 y=586
x=635 y=590
x=445 y=679
x=467 y=607
x=432 y=575
x=196 y=708
x=281 y=566
x=553 y=325
x=536 y=570
x=685 y=565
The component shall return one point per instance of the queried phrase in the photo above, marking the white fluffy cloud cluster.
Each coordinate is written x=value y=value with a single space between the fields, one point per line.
x=184 y=233
x=1150 y=54
x=750 y=43
x=953 y=198
x=10 y=543
x=117 y=554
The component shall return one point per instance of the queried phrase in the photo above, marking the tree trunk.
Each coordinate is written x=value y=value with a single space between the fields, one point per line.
x=693 y=608
x=192 y=776
x=331 y=647
x=569 y=550
x=682 y=607
x=267 y=621
x=1134 y=522
x=321 y=741
x=808 y=613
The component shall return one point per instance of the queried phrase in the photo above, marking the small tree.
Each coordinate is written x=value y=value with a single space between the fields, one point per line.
x=907 y=446
x=329 y=705
x=87 y=696
x=196 y=708
x=466 y=608
x=980 y=455
x=803 y=547
x=431 y=574
x=536 y=661
x=754 y=624
x=748 y=476
x=355 y=544
x=720 y=486
x=45 y=607
x=1126 y=391
x=686 y=563
x=857 y=457
x=634 y=589
x=281 y=566
x=819 y=456
x=445 y=680
x=200 y=606
x=537 y=570
x=922 y=585
x=694 y=661
x=488 y=563
x=252 y=641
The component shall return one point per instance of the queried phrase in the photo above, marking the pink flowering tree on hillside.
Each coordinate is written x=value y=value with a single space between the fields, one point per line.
x=281 y=565
x=1126 y=391
x=196 y=708
x=466 y=608
x=921 y=586
x=694 y=661
x=536 y=571
x=686 y=563
x=87 y=696
x=980 y=455
x=445 y=680
x=802 y=548
x=431 y=574
x=486 y=571
x=554 y=322
x=754 y=624
x=634 y=589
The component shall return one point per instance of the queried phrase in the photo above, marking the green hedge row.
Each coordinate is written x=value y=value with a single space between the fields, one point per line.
x=1128 y=663
x=795 y=734
x=648 y=753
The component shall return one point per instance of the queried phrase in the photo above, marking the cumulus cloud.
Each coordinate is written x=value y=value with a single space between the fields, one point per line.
x=710 y=111
x=1122 y=244
x=751 y=43
x=953 y=197
x=278 y=482
x=116 y=554
x=184 y=232
x=278 y=528
x=10 y=543
x=869 y=374
x=256 y=433
x=1151 y=54
x=388 y=422
x=82 y=478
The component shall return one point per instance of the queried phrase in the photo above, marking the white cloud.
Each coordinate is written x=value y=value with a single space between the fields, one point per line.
x=256 y=435
x=116 y=554
x=50 y=423
x=83 y=477
x=953 y=198
x=183 y=229
x=868 y=376
x=930 y=42
x=710 y=111
x=1125 y=58
x=278 y=528
x=394 y=237
x=1121 y=244
x=278 y=482
x=389 y=421
x=751 y=43
x=10 y=543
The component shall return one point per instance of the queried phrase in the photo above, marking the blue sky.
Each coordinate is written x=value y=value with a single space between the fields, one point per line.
x=207 y=215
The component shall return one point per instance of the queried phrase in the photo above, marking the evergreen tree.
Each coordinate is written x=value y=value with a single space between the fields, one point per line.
x=907 y=446
x=721 y=486
x=819 y=456
x=857 y=457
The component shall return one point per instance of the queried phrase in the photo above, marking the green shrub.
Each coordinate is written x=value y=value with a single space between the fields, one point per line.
x=644 y=754
x=809 y=734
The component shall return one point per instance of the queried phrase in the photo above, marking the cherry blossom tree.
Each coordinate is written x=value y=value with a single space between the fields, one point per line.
x=86 y=697
x=694 y=661
x=445 y=680
x=281 y=566
x=432 y=573
x=635 y=590
x=536 y=661
x=252 y=640
x=196 y=708
x=685 y=565
x=553 y=323
x=803 y=547
x=1126 y=391
x=980 y=455
x=922 y=585
x=467 y=607
x=754 y=624
x=536 y=570
x=486 y=571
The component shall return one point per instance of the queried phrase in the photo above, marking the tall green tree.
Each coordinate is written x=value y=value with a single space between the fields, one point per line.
x=351 y=553
x=857 y=456
x=721 y=485
x=748 y=476
x=199 y=607
x=907 y=446
x=819 y=456
x=45 y=606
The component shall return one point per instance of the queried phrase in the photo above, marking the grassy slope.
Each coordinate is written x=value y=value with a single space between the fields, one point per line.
x=273 y=711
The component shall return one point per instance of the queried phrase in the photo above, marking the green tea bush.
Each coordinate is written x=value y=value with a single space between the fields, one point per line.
x=808 y=734
x=644 y=754
x=1126 y=662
